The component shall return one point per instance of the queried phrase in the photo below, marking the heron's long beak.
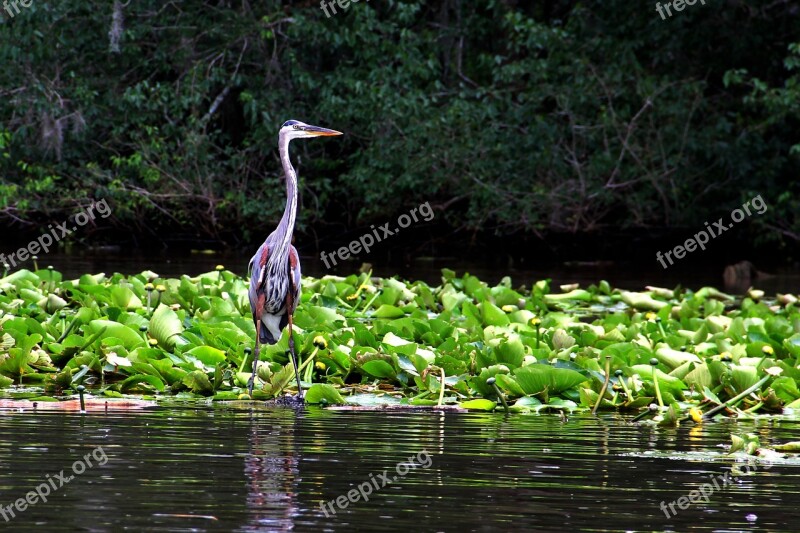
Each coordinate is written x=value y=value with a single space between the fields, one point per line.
x=316 y=131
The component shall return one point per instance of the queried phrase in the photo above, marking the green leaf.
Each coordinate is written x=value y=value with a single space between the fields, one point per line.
x=524 y=404
x=563 y=340
x=789 y=447
x=198 y=382
x=674 y=358
x=138 y=379
x=642 y=301
x=737 y=443
x=379 y=369
x=225 y=396
x=786 y=389
x=743 y=377
x=166 y=328
x=511 y=352
x=319 y=392
x=509 y=384
x=575 y=294
x=537 y=378
x=493 y=315
x=389 y=311
x=479 y=404
x=107 y=328
x=699 y=377
x=207 y=355
x=666 y=382
x=124 y=298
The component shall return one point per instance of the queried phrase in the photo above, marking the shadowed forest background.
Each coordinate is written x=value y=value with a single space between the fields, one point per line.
x=588 y=122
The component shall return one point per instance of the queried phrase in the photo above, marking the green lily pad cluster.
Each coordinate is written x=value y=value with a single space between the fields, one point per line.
x=462 y=342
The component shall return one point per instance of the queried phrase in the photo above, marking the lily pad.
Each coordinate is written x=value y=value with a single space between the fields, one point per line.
x=320 y=392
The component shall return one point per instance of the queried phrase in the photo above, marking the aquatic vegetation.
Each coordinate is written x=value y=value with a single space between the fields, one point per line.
x=675 y=354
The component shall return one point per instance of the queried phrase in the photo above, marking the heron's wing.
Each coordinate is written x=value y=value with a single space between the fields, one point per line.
x=294 y=276
x=257 y=268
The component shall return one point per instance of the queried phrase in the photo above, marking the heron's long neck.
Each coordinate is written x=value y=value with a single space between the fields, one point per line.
x=286 y=225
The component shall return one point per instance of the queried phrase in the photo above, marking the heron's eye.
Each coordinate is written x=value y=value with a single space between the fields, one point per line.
x=295 y=126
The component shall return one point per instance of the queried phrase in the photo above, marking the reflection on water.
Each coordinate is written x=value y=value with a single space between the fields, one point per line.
x=272 y=473
x=623 y=274
x=223 y=469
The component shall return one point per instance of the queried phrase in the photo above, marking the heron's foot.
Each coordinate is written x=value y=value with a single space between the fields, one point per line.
x=291 y=400
x=250 y=384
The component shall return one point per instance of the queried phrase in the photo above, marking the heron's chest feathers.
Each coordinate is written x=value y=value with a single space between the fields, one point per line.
x=273 y=324
x=277 y=287
x=279 y=281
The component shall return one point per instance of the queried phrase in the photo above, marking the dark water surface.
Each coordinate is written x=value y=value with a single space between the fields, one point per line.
x=226 y=469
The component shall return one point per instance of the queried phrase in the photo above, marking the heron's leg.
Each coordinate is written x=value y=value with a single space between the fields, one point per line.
x=294 y=358
x=256 y=353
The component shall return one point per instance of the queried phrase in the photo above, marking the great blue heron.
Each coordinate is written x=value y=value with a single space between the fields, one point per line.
x=275 y=269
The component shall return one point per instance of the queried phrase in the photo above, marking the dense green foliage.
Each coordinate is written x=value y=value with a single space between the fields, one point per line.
x=565 y=115
x=460 y=342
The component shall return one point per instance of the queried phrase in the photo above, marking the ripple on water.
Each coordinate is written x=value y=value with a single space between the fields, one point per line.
x=188 y=469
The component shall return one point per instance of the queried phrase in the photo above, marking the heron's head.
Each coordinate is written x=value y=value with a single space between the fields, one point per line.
x=294 y=129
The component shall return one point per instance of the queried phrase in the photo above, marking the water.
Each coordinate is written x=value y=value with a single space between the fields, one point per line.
x=236 y=469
